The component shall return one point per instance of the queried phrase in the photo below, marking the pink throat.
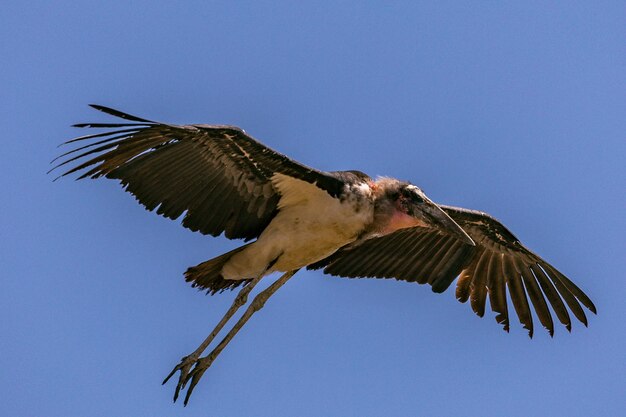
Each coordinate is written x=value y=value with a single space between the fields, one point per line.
x=400 y=220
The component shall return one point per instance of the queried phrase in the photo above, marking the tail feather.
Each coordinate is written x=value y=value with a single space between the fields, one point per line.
x=207 y=275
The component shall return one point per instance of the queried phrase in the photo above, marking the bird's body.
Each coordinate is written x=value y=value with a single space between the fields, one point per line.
x=309 y=226
x=220 y=180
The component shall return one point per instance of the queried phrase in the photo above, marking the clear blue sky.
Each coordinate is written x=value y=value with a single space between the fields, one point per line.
x=514 y=108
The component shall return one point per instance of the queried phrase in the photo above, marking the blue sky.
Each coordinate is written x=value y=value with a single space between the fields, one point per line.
x=514 y=108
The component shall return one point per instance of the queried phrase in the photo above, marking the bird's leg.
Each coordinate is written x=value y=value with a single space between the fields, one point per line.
x=203 y=364
x=186 y=362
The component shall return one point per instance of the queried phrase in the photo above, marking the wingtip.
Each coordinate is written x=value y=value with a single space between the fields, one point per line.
x=505 y=325
x=438 y=288
x=592 y=308
x=100 y=107
x=530 y=330
x=462 y=298
x=54 y=169
x=117 y=113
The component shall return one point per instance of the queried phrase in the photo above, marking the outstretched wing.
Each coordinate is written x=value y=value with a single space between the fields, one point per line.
x=217 y=176
x=497 y=262
x=500 y=261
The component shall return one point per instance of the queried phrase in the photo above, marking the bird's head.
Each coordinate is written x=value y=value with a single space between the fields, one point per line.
x=401 y=204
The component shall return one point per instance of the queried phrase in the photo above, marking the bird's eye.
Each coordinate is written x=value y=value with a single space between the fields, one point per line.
x=412 y=196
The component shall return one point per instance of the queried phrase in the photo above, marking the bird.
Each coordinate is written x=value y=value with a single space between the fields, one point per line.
x=220 y=180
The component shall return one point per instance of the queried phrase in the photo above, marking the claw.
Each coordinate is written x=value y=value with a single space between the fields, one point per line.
x=201 y=366
x=171 y=374
x=188 y=374
x=184 y=367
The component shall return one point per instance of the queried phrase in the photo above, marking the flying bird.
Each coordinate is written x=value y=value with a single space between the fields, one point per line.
x=221 y=180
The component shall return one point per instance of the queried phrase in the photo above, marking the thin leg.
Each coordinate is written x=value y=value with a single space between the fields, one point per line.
x=186 y=362
x=203 y=364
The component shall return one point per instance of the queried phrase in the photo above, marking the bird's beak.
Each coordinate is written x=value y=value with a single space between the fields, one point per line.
x=435 y=217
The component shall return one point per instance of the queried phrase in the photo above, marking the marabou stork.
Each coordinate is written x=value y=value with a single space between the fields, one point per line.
x=221 y=180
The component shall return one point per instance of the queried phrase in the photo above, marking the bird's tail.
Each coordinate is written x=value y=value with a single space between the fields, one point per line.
x=208 y=275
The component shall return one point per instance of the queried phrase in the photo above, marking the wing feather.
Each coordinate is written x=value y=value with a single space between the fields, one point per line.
x=536 y=297
x=450 y=266
x=478 y=286
x=518 y=294
x=414 y=247
x=217 y=176
x=443 y=255
x=432 y=259
x=463 y=287
x=496 y=283
x=553 y=296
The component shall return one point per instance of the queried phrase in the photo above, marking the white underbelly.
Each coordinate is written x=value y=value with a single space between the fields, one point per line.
x=309 y=226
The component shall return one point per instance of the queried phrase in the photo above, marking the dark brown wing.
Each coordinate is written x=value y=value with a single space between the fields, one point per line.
x=414 y=254
x=500 y=262
x=217 y=176
x=497 y=262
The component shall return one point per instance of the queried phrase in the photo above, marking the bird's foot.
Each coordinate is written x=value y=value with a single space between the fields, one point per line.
x=191 y=369
x=184 y=367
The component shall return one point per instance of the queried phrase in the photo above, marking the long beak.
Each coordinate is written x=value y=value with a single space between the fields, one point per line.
x=439 y=219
